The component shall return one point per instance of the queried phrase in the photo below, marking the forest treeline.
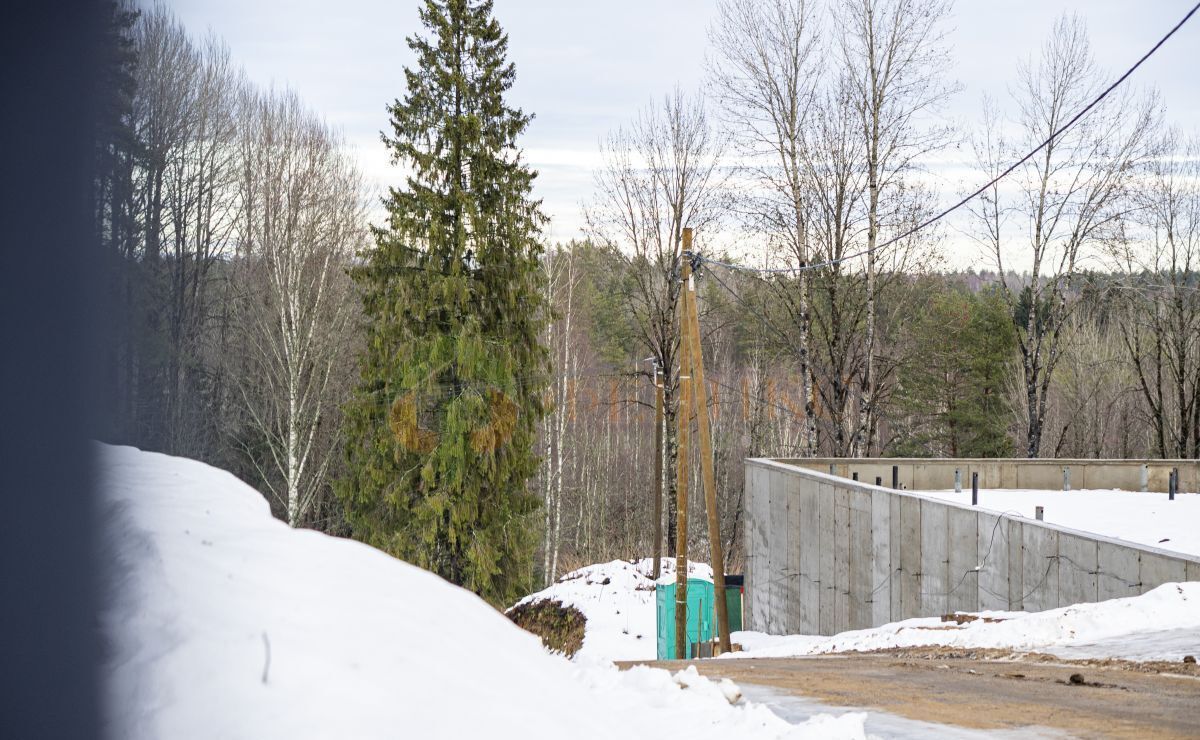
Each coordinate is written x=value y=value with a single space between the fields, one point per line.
x=232 y=217
x=229 y=215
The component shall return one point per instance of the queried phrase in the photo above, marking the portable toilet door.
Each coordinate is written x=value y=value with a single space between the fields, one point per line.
x=701 y=623
x=702 y=620
x=664 y=615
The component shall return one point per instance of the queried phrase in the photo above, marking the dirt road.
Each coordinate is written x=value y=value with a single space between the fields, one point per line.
x=989 y=689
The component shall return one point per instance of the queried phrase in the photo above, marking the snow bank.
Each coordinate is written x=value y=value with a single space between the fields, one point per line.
x=226 y=623
x=1143 y=518
x=618 y=601
x=1163 y=624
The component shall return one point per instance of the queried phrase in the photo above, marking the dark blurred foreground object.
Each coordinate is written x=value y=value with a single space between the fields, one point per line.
x=50 y=62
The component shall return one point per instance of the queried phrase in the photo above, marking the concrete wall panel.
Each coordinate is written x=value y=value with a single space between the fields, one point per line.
x=810 y=559
x=1159 y=569
x=992 y=553
x=861 y=556
x=895 y=537
x=841 y=559
x=749 y=493
x=792 y=590
x=934 y=477
x=1160 y=478
x=828 y=535
x=935 y=558
x=881 y=557
x=1039 y=568
x=760 y=512
x=1039 y=477
x=910 y=557
x=1016 y=565
x=963 y=590
x=1120 y=571
x=1193 y=571
x=777 y=552
x=1125 y=477
x=1077 y=569
x=995 y=475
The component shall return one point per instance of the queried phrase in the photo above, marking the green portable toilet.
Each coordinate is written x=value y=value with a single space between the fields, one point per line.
x=701 y=616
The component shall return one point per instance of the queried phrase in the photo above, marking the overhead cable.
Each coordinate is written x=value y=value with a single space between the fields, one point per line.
x=1011 y=168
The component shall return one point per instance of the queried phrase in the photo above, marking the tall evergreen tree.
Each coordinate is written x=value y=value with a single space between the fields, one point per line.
x=441 y=430
x=951 y=399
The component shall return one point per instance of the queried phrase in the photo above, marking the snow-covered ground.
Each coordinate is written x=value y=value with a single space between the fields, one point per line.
x=226 y=623
x=617 y=599
x=1163 y=624
x=1143 y=518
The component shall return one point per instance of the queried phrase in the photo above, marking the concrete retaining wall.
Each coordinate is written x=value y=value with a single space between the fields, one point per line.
x=931 y=474
x=825 y=554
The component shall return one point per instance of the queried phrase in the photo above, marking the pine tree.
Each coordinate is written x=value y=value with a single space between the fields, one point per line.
x=951 y=399
x=440 y=433
x=991 y=345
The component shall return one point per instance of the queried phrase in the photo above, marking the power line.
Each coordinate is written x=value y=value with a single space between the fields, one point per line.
x=758 y=316
x=1150 y=286
x=1011 y=168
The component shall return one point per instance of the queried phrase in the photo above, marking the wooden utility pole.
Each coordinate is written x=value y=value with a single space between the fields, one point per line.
x=681 y=479
x=658 y=467
x=708 y=476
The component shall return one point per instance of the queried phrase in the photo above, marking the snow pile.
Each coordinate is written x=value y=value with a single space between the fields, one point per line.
x=702 y=571
x=226 y=623
x=1163 y=624
x=618 y=601
x=1143 y=518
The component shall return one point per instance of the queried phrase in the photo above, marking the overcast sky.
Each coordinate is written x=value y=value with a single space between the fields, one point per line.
x=585 y=67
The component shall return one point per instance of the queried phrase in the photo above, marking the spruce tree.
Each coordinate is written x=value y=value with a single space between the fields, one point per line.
x=440 y=432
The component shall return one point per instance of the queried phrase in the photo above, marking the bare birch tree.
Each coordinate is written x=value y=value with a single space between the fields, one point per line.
x=302 y=219
x=895 y=55
x=202 y=202
x=1063 y=201
x=1160 y=326
x=562 y=277
x=168 y=66
x=764 y=76
x=659 y=174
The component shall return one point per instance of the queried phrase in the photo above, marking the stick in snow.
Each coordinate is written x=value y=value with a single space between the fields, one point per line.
x=267 y=661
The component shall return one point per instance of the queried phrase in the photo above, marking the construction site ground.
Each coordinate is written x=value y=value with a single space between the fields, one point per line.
x=986 y=689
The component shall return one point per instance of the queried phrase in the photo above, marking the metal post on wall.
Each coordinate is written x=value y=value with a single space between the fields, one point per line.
x=974 y=489
x=957 y=480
